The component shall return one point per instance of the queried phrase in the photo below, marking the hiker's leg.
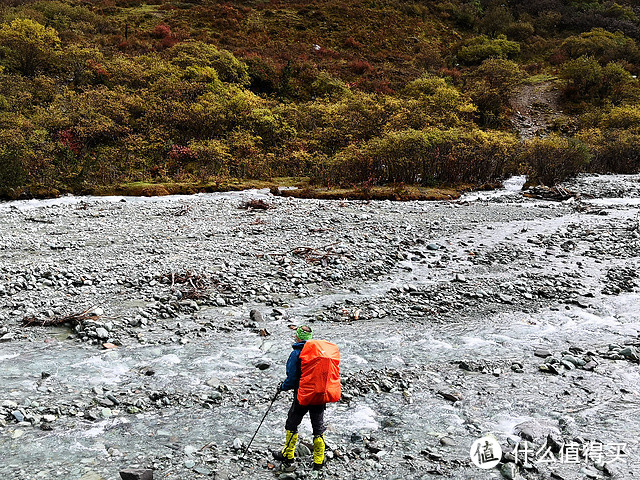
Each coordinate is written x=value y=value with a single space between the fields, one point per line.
x=289 y=449
x=296 y=412
x=316 y=413
x=294 y=418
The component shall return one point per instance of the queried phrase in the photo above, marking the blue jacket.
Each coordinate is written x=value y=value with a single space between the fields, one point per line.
x=293 y=368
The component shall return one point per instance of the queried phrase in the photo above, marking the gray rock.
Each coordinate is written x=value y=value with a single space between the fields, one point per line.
x=505 y=298
x=535 y=431
x=91 y=476
x=263 y=365
x=102 y=333
x=555 y=442
x=213 y=382
x=630 y=353
x=447 y=441
x=189 y=463
x=287 y=476
x=509 y=471
x=547 y=367
x=215 y=396
x=256 y=316
x=136 y=474
x=302 y=450
x=575 y=361
x=7 y=337
x=237 y=444
x=18 y=415
x=451 y=396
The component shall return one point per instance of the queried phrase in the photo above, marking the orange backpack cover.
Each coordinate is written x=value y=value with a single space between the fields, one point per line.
x=320 y=377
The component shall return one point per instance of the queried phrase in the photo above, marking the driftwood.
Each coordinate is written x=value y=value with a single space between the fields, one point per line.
x=192 y=285
x=557 y=194
x=72 y=319
x=39 y=220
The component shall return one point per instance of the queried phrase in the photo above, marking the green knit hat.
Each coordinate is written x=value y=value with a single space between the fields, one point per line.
x=302 y=335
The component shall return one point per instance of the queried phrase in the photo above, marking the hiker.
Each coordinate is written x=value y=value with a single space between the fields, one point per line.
x=319 y=357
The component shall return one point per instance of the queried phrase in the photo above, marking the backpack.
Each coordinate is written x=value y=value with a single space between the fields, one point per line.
x=320 y=377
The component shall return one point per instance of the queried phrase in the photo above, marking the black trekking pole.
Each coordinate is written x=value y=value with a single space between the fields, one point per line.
x=265 y=416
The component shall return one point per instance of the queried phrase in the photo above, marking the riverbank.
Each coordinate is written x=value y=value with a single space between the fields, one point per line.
x=491 y=314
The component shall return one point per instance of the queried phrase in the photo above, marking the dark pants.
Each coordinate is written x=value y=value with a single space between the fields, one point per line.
x=297 y=412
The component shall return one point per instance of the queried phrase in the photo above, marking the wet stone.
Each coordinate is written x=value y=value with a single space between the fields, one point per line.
x=576 y=362
x=509 y=471
x=263 y=365
x=18 y=415
x=91 y=476
x=447 y=441
x=136 y=474
x=237 y=444
x=287 y=476
x=630 y=353
x=449 y=395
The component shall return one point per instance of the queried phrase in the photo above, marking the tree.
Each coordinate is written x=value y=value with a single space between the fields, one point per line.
x=28 y=46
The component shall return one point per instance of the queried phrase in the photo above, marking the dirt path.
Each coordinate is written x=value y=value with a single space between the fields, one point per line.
x=535 y=107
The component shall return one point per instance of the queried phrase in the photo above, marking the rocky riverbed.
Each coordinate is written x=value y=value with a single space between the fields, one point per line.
x=152 y=333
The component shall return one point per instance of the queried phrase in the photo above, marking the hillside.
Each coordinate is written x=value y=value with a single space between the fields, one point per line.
x=95 y=95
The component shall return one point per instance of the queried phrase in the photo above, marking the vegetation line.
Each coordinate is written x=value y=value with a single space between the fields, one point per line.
x=190 y=95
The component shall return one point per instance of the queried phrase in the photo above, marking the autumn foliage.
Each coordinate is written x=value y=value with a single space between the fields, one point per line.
x=342 y=92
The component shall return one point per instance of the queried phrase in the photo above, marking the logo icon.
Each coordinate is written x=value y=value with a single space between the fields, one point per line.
x=485 y=452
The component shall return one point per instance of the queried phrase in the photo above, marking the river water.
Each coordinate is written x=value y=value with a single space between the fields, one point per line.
x=493 y=318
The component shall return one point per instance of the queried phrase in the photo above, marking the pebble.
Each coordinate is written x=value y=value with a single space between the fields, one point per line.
x=509 y=471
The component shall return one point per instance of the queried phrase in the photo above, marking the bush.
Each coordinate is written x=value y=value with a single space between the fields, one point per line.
x=587 y=80
x=602 y=45
x=627 y=116
x=28 y=47
x=583 y=76
x=614 y=151
x=198 y=54
x=491 y=86
x=429 y=157
x=551 y=160
x=481 y=48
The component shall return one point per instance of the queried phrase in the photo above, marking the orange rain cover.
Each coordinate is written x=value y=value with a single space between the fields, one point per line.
x=320 y=377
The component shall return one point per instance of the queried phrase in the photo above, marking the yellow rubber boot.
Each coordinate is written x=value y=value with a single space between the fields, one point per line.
x=290 y=445
x=318 y=452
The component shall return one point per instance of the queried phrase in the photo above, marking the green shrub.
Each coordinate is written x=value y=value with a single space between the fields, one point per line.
x=614 y=151
x=491 y=86
x=602 y=45
x=480 y=48
x=429 y=157
x=587 y=80
x=627 y=116
x=553 y=159
x=198 y=54
x=28 y=47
